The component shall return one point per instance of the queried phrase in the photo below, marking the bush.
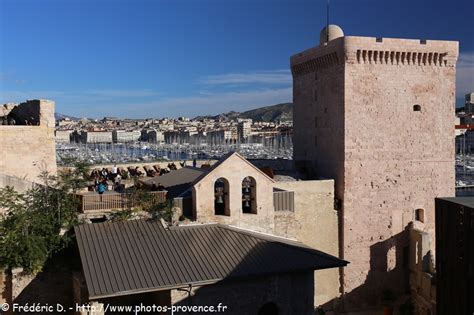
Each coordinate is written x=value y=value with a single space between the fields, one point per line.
x=31 y=228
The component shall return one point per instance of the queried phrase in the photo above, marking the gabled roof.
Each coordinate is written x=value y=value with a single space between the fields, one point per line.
x=138 y=256
x=225 y=158
x=176 y=182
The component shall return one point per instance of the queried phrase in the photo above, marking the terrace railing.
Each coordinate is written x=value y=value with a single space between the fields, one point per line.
x=92 y=202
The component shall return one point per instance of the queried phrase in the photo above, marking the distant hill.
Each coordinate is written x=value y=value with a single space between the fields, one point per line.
x=273 y=113
x=59 y=116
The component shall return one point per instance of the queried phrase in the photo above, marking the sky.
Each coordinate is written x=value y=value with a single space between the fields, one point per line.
x=170 y=58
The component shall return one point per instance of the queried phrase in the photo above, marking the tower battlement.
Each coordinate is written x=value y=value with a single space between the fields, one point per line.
x=373 y=50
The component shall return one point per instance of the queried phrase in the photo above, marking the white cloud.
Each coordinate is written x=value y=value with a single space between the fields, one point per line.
x=115 y=102
x=259 y=77
x=465 y=74
x=211 y=103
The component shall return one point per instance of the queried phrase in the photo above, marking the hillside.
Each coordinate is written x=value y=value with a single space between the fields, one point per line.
x=272 y=113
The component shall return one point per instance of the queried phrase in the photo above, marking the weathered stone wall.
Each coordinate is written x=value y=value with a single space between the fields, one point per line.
x=395 y=159
x=422 y=271
x=292 y=294
x=234 y=170
x=29 y=150
x=318 y=98
x=20 y=185
x=314 y=223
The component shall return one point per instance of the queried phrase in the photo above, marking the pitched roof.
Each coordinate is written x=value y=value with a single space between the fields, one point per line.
x=225 y=158
x=176 y=182
x=129 y=257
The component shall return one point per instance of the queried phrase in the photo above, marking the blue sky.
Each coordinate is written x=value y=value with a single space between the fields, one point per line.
x=156 y=58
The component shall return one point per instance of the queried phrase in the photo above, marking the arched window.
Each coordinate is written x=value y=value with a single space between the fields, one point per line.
x=221 y=197
x=249 y=195
x=269 y=308
x=420 y=215
x=417 y=108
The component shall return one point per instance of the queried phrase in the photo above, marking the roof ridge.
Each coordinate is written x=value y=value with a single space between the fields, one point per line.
x=223 y=159
x=280 y=239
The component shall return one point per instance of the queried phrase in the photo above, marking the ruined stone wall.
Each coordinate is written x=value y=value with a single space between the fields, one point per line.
x=234 y=170
x=314 y=223
x=28 y=150
x=292 y=294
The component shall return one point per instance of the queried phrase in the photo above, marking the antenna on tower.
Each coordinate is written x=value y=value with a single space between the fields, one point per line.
x=327 y=21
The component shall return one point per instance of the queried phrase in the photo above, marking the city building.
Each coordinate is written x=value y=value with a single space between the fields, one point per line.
x=122 y=136
x=93 y=136
x=376 y=115
x=62 y=135
x=152 y=135
x=469 y=103
x=244 y=129
x=223 y=136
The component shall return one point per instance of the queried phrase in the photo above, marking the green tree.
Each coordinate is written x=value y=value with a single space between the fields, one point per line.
x=35 y=223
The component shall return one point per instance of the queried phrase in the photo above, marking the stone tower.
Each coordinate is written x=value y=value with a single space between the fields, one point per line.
x=376 y=115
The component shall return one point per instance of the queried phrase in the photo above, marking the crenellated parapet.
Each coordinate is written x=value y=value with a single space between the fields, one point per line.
x=396 y=51
x=372 y=50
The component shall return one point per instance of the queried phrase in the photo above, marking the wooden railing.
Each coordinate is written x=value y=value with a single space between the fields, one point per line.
x=92 y=202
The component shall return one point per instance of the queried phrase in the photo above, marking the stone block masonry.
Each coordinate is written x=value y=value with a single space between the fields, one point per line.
x=378 y=113
x=26 y=151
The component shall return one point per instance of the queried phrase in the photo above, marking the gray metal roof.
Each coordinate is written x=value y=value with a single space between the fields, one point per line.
x=129 y=257
x=176 y=182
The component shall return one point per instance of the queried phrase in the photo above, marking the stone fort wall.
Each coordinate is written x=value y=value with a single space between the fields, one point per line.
x=389 y=113
x=27 y=150
x=314 y=223
x=399 y=153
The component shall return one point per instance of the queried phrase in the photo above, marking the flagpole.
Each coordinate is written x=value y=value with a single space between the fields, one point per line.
x=327 y=21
